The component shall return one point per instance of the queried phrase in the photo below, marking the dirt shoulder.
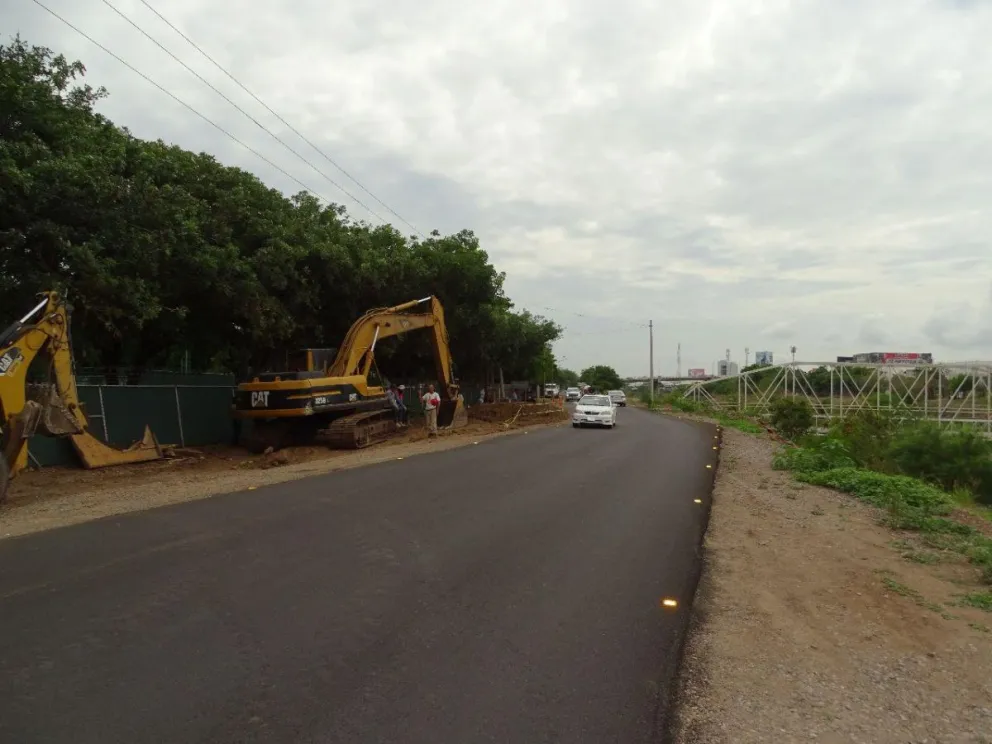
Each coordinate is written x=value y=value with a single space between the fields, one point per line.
x=55 y=497
x=813 y=622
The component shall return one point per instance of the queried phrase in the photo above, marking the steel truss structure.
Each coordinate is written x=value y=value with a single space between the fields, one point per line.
x=955 y=393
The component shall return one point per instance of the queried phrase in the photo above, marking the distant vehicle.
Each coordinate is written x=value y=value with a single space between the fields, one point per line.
x=551 y=390
x=595 y=410
x=572 y=393
x=619 y=397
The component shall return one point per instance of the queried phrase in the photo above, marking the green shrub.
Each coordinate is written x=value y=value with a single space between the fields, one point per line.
x=952 y=459
x=867 y=434
x=686 y=405
x=792 y=417
x=906 y=497
x=819 y=455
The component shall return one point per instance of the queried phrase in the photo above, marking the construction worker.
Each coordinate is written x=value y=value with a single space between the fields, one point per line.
x=392 y=398
x=401 y=405
x=431 y=401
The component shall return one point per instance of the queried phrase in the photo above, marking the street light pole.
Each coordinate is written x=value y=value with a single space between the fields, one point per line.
x=651 y=355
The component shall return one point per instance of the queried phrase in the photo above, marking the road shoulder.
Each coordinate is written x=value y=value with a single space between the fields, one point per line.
x=812 y=622
x=58 y=497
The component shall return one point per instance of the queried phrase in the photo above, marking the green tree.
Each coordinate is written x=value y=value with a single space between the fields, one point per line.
x=165 y=252
x=792 y=417
x=602 y=377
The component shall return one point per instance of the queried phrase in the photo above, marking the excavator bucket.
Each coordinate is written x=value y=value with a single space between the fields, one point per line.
x=95 y=454
x=54 y=419
x=452 y=414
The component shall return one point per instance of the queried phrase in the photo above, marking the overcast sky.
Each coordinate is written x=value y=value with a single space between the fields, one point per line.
x=745 y=173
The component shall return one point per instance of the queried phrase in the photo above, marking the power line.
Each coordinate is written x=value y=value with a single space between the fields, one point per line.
x=255 y=121
x=178 y=100
x=293 y=129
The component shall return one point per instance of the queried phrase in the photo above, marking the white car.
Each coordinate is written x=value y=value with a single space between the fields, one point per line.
x=572 y=393
x=594 y=410
x=619 y=397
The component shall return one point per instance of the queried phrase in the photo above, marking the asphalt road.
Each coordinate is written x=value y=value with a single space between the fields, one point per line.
x=506 y=592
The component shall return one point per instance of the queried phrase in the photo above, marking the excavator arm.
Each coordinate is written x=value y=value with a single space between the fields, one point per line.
x=53 y=407
x=356 y=354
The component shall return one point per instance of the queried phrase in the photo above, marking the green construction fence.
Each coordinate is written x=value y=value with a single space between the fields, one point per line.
x=184 y=415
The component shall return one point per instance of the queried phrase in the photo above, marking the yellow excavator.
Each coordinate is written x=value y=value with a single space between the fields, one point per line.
x=50 y=406
x=326 y=395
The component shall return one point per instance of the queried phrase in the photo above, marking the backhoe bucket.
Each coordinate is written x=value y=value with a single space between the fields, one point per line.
x=55 y=419
x=95 y=454
x=452 y=414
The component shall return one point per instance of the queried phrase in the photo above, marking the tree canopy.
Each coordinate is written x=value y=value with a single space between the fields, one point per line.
x=165 y=252
x=601 y=377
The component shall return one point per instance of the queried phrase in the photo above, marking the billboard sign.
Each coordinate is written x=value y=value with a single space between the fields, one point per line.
x=697 y=372
x=763 y=357
x=901 y=358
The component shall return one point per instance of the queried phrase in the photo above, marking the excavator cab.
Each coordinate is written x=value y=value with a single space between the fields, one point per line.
x=302 y=364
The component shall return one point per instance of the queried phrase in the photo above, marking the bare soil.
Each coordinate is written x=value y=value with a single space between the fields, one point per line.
x=813 y=623
x=55 y=497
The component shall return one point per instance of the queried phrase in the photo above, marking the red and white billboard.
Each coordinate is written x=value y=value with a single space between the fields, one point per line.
x=896 y=357
x=697 y=372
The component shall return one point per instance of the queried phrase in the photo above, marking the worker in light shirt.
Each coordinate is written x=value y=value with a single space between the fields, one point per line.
x=431 y=402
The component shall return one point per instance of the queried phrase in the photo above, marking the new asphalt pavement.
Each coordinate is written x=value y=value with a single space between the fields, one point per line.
x=505 y=592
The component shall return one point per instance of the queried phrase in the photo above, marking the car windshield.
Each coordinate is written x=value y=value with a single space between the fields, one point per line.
x=595 y=400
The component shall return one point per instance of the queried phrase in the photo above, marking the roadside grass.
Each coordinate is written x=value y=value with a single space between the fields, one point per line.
x=910 y=504
x=887 y=462
x=728 y=420
x=978 y=600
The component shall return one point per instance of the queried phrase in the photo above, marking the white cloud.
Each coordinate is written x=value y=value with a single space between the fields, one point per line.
x=744 y=172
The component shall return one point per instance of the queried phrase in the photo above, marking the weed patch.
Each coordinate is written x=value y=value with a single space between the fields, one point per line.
x=901 y=589
x=979 y=600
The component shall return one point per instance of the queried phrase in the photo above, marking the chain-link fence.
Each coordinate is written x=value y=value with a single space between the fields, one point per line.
x=185 y=415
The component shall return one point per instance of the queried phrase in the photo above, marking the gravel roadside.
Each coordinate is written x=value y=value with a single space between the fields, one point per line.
x=810 y=624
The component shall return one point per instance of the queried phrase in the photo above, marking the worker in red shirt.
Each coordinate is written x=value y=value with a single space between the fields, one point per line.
x=431 y=402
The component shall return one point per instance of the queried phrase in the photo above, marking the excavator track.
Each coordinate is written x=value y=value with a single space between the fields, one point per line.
x=359 y=429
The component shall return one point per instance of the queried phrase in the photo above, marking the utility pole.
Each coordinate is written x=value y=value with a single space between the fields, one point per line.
x=651 y=355
x=747 y=356
x=678 y=361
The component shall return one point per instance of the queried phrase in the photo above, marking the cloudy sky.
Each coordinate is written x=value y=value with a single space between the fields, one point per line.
x=745 y=173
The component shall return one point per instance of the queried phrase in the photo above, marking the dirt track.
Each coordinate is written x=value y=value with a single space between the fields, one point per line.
x=811 y=625
x=55 y=497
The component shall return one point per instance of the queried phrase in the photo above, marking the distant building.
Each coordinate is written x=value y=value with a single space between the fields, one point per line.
x=763 y=357
x=889 y=357
x=725 y=368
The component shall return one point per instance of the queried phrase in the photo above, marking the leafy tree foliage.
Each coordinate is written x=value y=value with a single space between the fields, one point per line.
x=165 y=252
x=566 y=377
x=601 y=377
x=792 y=417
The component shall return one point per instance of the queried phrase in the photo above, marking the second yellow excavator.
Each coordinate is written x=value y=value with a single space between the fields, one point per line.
x=50 y=406
x=333 y=401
